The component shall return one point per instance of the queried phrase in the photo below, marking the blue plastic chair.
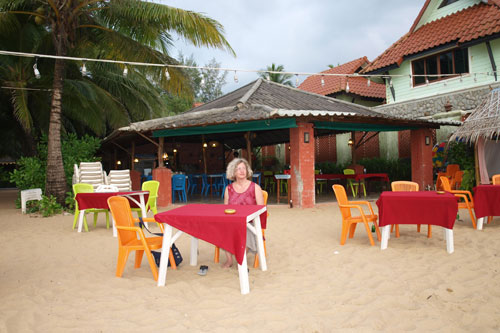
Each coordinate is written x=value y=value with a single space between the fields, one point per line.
x=224 y=184
x=179 y=186
x=192 y=184
x=257 y=177
x=205 y=186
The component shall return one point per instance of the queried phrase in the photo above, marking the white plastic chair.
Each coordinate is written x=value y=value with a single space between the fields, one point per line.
x=121 y=179
x=91 y=173
x=27 y=195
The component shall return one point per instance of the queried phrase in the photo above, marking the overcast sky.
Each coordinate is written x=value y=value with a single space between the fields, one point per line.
x=304 y=36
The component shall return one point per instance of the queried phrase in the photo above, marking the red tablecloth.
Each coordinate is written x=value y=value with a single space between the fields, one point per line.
x=211 y=224
x=487 y=200
x=417 y=208
x=99 y=200
x=333 y=176
x=382 y=176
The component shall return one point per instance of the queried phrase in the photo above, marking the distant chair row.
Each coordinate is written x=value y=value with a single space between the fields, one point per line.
x=92 y=173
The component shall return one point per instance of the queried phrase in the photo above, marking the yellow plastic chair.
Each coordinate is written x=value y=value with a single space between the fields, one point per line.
x=319 y=189
x=152 y=186
x=408 y=187
x=132 y=238
x=256 y=261
x=468 y=202
x=354 y=184
x=350 y=222
x=87 y=188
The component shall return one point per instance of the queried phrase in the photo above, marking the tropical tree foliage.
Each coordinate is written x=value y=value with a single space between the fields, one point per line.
x=277 y=77
x=123 y=30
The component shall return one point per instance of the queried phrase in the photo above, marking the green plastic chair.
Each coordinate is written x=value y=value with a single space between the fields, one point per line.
x=320 y=182
x=87 y=188
x=269 y=183
x=354 y=184
x=152 y=186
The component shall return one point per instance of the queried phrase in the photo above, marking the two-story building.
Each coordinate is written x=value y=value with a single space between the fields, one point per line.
x=442 y=68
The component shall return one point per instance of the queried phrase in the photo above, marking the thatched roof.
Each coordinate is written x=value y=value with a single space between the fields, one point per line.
x=484 y=120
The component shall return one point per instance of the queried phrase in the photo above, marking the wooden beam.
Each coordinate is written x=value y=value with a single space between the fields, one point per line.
x=122 y=148
x=204 y=149
x=145 y=137
x=160 y=152
x=249 y=148
x=132 y=157
x=492 y=59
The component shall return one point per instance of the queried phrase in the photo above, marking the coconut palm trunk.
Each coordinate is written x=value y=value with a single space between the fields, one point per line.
x=55 y=181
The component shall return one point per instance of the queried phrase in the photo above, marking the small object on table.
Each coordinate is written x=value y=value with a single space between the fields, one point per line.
x=440 y=192
x=230 y=211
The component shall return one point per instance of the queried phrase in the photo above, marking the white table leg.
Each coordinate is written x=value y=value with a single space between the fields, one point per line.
x=480 y=222
x=165 y=250
x=193 y=260
x=448 y=234
x=260 y=244
x=243 y=273
x=385 y=236
x=80 y=220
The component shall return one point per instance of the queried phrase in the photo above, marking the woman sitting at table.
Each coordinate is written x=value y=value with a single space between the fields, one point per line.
x=242 y=191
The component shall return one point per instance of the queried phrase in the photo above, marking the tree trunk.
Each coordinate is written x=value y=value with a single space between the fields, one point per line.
x=56 y=181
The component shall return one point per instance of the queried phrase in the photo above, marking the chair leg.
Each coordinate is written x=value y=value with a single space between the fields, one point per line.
x=418 y=227
x=216 y=255
x=429 y=231
x=364 y=189
x=397 y=230
x=256 y=261
x=369 y=232
x=95 y=220
x=377 y=230
x=75 y=220
x=152 y=263
x=472 y=217
x=138 y=258
x=343 y=235
x=352 y=229
x=171 y=258
x=122 y=260
x=107 y=219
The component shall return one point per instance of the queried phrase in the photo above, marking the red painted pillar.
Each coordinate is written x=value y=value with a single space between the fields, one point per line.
x=421 y=157
x=164 y=176
x=302 y=165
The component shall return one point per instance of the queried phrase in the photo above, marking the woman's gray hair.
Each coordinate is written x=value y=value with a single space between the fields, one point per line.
x=231 y=168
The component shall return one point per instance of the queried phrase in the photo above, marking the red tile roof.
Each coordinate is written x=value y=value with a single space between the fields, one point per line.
x=334 y=84
x=471 y=23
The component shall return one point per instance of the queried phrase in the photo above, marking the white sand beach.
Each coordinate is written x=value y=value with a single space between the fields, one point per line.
x=54 y=279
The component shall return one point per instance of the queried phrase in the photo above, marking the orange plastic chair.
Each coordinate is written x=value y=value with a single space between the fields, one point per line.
x=350 y=222
x=496 y=181
x=468 y=202
x=256 y=260
x=409 y=187
x=132 y=238
x=456 y=181
x=451 y=170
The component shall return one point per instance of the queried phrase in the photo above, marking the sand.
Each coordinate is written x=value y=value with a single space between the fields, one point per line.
x=54 y=279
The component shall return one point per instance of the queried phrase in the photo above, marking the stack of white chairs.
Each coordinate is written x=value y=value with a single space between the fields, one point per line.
x=89 y=173
x=121 y=179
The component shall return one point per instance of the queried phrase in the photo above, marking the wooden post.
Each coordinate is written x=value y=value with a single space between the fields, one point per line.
x=204 y=152
x=115 y=159
x=161 y=141
x=249 y=148
x=132 y=156
x=353 y=147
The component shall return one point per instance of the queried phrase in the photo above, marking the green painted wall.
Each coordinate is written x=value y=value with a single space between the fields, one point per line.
x=344 y=152
x=357 y=100
x=388 y=145
x=479 y=62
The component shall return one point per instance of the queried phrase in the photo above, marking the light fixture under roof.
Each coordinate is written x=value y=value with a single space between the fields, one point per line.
x=84 y=69
x=235 y=77
x=322 y=81
x=125 y=71
x=35 y=69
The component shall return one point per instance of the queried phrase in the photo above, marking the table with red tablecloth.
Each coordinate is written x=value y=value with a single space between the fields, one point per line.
x=423 y=207
x=211 y=224
x=99 y=200
x=486 y=202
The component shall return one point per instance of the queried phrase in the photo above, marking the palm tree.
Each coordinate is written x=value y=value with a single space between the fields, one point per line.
x=127 y=30
x=277 y=77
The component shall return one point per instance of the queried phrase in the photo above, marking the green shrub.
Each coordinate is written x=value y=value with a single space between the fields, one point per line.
x=463 y=155
x=48 y=206
x=30 y=173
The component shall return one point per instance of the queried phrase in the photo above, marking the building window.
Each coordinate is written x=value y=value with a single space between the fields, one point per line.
x=432 y=68
x=446 y=3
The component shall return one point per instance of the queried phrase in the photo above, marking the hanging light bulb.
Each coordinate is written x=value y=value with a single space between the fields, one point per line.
x=84 y=70
x=426 y=80
x=125 y=71
x=390 y=82
x=322 y=81
x=35 y=69
x=347 y=87
x=175 y=151
x=369 y=82
x=296 y=80
x=167 y=74
x=119 y=162
x=267 y=76
x=136 y=160
x=235 y=77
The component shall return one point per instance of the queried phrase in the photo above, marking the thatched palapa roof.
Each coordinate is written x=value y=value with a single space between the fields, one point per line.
x=484 y=121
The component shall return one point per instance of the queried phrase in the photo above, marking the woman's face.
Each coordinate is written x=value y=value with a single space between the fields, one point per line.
x=241 y=171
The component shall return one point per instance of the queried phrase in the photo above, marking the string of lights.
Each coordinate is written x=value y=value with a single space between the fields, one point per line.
x=235 y=70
